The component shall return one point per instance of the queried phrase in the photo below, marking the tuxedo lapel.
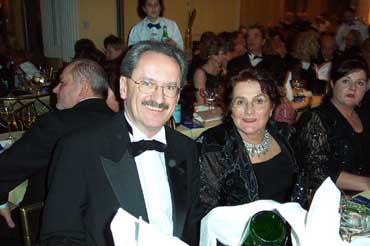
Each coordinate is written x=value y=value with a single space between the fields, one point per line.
x=121 y=171
x=176 y=172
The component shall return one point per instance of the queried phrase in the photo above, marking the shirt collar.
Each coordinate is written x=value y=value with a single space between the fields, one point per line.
x=147 y=21
x=306 y=65
x=89 y=98
x=137 y=135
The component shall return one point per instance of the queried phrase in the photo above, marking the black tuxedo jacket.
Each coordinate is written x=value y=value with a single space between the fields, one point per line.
x=30 y=155
x=94 y=173
x=273 y=63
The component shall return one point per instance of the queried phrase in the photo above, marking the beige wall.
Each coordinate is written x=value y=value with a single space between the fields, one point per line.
x=363 y=10
x=96 y=20
x=266 y=12
x=212 y=15
x=269 y=12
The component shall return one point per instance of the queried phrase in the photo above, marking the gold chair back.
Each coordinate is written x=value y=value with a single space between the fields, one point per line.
x=29 y=215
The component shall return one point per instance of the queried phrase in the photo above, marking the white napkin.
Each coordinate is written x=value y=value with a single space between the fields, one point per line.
x=288 y=86
x=127 y=230
x=323 y=71
x=5 y=144
x=226 y=224
x=29 y=69
x=320 y=226
x=323 y=219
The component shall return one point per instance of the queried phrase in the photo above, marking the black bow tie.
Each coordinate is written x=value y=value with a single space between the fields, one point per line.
x=157 y=26
x=257 y=57
x=144 y=145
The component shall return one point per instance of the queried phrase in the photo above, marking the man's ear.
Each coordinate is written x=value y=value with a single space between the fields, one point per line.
x=85 y=89
x=123 y=87
x=331 y=84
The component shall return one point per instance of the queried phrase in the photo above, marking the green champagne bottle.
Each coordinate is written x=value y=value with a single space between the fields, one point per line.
x=265 y=228
x=164 y=34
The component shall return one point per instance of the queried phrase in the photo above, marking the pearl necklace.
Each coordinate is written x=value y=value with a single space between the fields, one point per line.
x=258 y=149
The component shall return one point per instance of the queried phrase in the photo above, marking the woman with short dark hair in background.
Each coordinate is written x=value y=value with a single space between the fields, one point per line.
x=333 y=139
x=209 y=76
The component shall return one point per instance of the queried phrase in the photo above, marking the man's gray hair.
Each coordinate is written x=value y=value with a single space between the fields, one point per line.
x=85 y=69
x=132 y=57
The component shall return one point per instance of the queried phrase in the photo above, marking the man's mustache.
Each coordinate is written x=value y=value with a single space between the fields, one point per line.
x=155 y=105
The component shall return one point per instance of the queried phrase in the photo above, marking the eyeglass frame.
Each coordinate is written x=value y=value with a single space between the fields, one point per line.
x=246 y=102
x=140 y=83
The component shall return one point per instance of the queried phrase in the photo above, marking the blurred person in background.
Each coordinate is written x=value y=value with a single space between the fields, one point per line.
x=210 y=75
x=349 y=23
x=328 y=49
x=152 y=25
x=114 y=50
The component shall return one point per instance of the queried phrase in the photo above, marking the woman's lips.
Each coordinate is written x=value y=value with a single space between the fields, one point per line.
x=350 y=95
x=249 y=120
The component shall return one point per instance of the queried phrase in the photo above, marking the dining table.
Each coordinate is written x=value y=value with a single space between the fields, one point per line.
x=41 y=99
x=17 y=194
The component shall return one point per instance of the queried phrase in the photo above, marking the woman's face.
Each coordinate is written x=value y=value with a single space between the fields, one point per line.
x=218 y=59
x=250 y=109
x=349 y=90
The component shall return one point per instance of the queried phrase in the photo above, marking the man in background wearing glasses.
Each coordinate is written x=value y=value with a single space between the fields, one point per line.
x=133 y=162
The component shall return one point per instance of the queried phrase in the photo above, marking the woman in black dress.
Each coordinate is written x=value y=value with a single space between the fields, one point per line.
x=333 y=139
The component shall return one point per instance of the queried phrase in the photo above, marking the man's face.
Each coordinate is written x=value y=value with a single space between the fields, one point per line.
x=152 y=9
x=67 y=91
x=255 y=41
x=150 y=111
x=111 y=53
x=327 y=47
x=348 y=17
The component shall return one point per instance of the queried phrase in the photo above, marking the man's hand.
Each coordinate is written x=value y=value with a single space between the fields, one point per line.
x=6 y=214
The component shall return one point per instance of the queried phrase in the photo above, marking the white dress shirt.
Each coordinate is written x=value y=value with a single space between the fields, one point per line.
x=344 y=29
x=140 y=31
x=151 y=166
x=254 y=60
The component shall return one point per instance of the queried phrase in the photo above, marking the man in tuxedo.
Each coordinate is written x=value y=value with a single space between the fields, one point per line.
x=134 y=161
x=80 y=100
x=255 y=39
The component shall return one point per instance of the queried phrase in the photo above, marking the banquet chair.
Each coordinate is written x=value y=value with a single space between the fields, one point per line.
x=30 y=216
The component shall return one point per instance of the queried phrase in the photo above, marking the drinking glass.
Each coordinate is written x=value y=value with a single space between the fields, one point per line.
x=28 y=117
x=210 y=97
x=7 y=116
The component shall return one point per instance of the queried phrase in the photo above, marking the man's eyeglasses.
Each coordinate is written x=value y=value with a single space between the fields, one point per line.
x=148 y=87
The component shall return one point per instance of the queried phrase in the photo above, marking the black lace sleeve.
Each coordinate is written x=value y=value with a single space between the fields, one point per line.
x=211 y=177
x=314 y=151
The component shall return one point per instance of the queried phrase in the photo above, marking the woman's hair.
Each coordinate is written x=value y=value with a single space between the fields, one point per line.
x=214 y=46
x=141 y=5
x=306 y=45
x=264 y=79
x=343 y=66
x=346 y=65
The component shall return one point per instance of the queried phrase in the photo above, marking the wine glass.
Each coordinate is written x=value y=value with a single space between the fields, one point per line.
x=7 y=116
x=28 y=117
x=210 y=97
